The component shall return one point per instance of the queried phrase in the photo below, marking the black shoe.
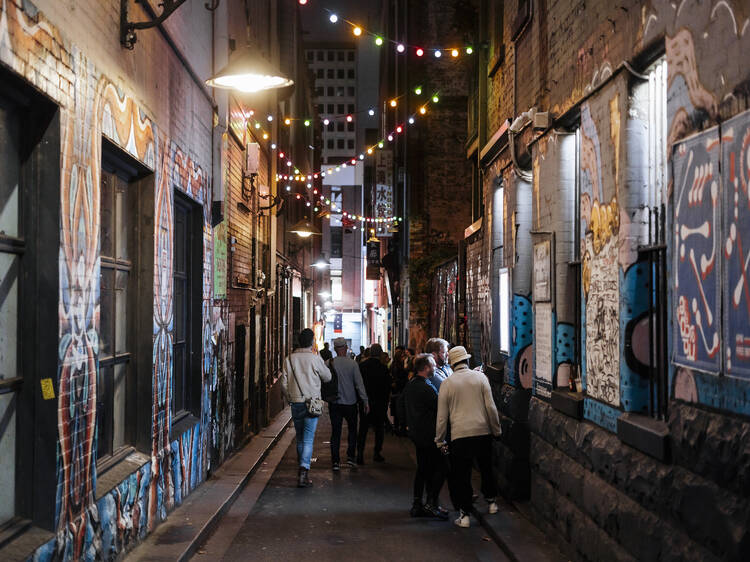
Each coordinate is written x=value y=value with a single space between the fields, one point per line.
x=303 y=480
x=351 y=464
x=336 y=467
x=418 y=510
x=436 y=511
x=378 y=458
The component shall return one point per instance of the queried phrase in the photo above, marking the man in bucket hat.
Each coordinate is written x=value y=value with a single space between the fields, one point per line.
x=465 y=403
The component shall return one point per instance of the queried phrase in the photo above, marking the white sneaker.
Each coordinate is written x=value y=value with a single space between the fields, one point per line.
x=463 y=520
x=492 y=508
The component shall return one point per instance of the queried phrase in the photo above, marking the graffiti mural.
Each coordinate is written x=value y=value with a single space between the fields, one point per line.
x=522 y=353
x=735 y=150
x=697 y=209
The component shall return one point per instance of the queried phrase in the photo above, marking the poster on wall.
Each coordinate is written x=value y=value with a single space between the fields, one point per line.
x=338 y=323
x=543 y=270
x=735 y=151
x=220 y=260
x=543 y=349
x=697 y=214
x=383 y=189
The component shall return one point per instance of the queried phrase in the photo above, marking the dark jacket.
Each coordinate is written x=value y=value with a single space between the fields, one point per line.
x=421 y=403
x=377 y=382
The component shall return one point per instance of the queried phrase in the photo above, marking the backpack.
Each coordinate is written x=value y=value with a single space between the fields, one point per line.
x=329 y=391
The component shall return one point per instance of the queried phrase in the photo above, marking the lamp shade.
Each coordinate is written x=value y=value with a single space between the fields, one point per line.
x=304 y=229
x=248 y=72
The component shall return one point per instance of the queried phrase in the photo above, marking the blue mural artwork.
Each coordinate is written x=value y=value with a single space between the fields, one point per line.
x=735 y=152
x=635 y=341
x=696 y=228
x=521 y=359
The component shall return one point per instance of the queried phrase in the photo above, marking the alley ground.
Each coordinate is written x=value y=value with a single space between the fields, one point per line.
x=362 y=514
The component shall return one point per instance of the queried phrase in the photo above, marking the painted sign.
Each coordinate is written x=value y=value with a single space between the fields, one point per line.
x=543 y=349
x=542 y=271
x=220 y=260
x=697 y=215
x=338 y=323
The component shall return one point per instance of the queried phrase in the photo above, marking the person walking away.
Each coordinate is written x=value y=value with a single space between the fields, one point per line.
x=399 y=378
x=325 y=353
x=421 y=405
x=465 y=403
x=301 y=376
x=378 y=385
x=361 y=355
x=438 y=347
x=350 y=387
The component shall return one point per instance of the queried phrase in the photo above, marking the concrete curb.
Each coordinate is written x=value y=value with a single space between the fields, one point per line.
x=275 y=430
x=494 y=535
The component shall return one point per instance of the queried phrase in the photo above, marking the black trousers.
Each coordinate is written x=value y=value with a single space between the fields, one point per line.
x=463 y=453
x=339 y=413
x=430 y=473
x=376 y=418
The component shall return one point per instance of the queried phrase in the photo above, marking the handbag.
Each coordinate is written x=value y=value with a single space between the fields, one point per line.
x=330 y=390
x=314 y=406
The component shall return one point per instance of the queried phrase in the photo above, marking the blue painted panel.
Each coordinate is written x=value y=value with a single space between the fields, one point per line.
x=697 y=216
x=601 y=414
x=735 y=157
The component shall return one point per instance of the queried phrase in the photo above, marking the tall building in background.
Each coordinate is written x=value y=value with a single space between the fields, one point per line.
x=346 y=89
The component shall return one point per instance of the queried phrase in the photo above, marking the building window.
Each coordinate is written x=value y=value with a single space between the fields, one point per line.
x=329 y=144
x=340 y=144
x=331 y=56
x=337 y=290
x=350 y=74
x=116 y=313
x=340 y=56
x=30 y=264
x=331 y=125
x=350 y=144
x=350 y=56
x=321 y=108
x=350 y=108
x=331 y=74
x=340 y=126
x=330 y=92
x=330 y=108
x=188 y=266
x=320 y=73
x=350 y=127
x=320 y=55
x=310 y=55
x=350 y=91
x=340 y=92
x=320 y=91
x=340 y=108
x=340 y=73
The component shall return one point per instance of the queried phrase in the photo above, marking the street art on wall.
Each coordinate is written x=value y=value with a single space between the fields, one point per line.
x=735 y=150
x=697 y=208
x=543 y=348
x=522 y=355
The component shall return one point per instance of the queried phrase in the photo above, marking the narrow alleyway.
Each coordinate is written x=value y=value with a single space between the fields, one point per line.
x=362 y=514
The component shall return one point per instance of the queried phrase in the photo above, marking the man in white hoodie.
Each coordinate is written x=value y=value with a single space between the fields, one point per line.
x=300 y=379
x=465 y=403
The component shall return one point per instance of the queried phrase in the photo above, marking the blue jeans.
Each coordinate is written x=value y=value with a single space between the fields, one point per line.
x=304 y=427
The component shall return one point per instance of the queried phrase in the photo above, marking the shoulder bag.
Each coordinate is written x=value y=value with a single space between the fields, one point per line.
x=313 y=405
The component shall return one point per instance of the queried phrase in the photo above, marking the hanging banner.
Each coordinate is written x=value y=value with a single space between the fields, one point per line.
x=338 y=323
x=383 y=200
x=220 y=260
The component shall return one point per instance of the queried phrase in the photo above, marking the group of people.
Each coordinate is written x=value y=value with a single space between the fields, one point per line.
x=445 y=407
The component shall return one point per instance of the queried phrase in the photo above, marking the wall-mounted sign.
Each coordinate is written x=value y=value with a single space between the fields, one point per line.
x=383 y=199
x=373 y=253
x=338 y=323
x=220 y=260
x=543 y=271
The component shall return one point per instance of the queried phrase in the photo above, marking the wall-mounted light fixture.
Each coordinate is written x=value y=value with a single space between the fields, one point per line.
x=304 y=229
x=248 y=72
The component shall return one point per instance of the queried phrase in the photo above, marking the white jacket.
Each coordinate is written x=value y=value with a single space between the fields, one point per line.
x=309 y=369
x=465 y=400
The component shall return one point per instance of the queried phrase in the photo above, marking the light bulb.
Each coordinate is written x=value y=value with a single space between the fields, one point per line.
x=418 y=90
x=265 y=136
x=438 y=54
x=400 y=48
x=357 y=31
x=378 y=41
x=257 y=125
x=349 y=118
x=361 y=156
x=390 y=138
x=307 y=122
x=371 y=112
x=423 y=110
x=288 y=162
x=273 y=146
x=435 y=99
x=454 y=52
x=302 y=2
x=399 y=129
x=287 y=121
x=394 y=103
x=420 y=51
x=411 y=120
x=380 y=144
x=369 y=151
x=469 y=50
x=270 y=118
x=333 y=18
x=288 y=187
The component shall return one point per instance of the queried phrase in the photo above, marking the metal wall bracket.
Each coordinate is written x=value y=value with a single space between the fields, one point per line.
x=128 y=36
